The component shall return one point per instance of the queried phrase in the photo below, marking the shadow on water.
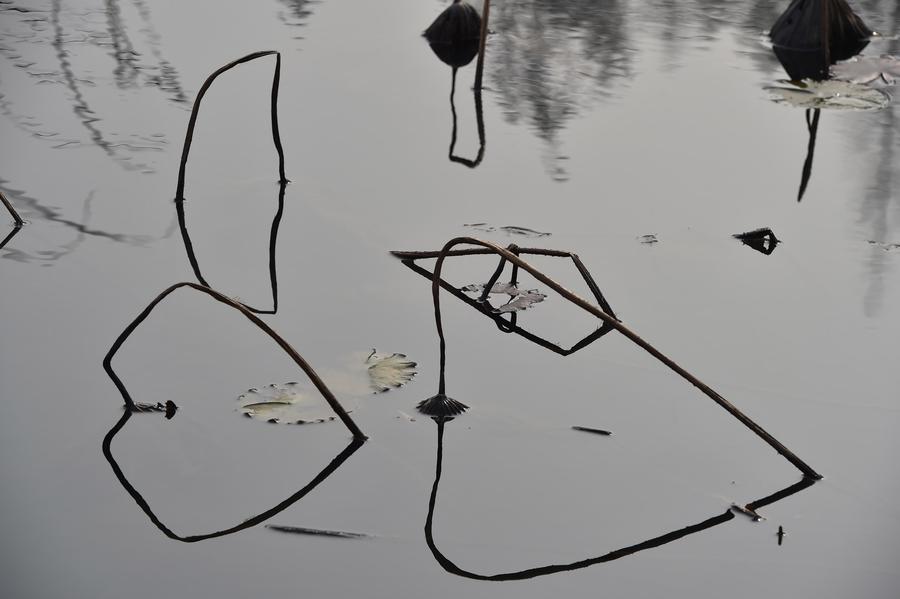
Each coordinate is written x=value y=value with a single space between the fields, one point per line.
x=441 y=405
x=534 y=572
x=130 y=408
x=283 y=181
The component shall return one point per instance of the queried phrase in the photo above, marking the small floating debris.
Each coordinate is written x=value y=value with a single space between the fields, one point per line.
x=405 y=416
x=648 y=239
x=885 y=246
x=439 y=406
x=169 y=408
x=299 y=530
x=519 y=299
x=509 y=230
x=388 y=372
x=762 y=240
x=596 y=431
x=780 y=534
x=287 y=403
x=747 y=512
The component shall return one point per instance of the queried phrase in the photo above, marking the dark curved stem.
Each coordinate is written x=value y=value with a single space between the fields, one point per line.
x=12 y=211
x=195 y=110
x=290 y=351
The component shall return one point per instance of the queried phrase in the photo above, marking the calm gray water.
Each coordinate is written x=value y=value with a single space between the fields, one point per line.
x=604 y=122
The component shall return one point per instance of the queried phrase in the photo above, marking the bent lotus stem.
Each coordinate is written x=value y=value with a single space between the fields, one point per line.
x=290 y=351
x=609 y=320
x=12 y=211
x=195 y=110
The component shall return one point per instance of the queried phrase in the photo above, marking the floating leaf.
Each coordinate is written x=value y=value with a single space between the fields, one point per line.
x=523 y=301
x=389 y=372
x=287 y=403
x=519 y=299
x=869 y=70
x=833 y=94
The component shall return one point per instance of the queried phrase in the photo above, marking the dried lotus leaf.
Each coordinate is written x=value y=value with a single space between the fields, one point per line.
x=285 y=403
x=388 y=372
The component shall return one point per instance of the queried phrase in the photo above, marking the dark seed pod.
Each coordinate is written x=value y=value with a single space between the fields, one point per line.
x=455 y=33
x=441 y=405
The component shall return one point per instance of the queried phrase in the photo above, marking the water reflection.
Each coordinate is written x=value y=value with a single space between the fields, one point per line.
x=534 y=572
x=479 y=123
x=550 y=60
x=73 y=33
x=273 y=242
x=812 y=125
x=298 y=12
x=33 y=209
x=332 y=466
x=878 y=207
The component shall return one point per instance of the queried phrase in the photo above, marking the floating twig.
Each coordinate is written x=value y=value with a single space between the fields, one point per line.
x=299 y=530
x=290 y=351
x=609 y=320
x=587 y=429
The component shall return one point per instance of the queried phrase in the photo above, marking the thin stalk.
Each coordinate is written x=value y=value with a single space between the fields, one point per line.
x=482 y=45
x=12 y=211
